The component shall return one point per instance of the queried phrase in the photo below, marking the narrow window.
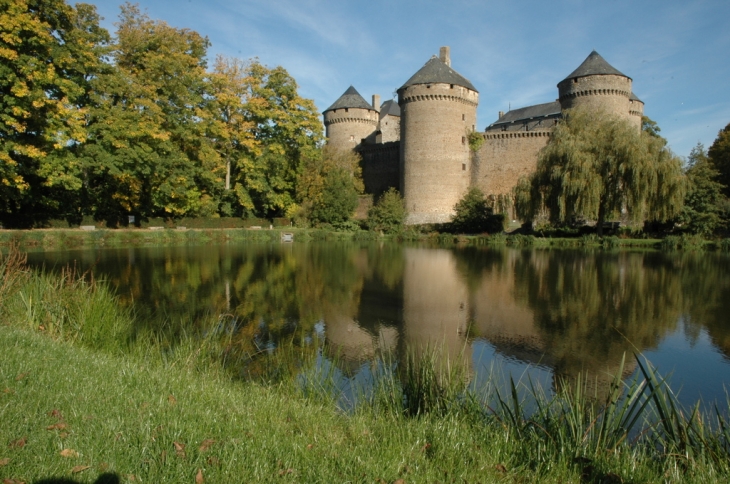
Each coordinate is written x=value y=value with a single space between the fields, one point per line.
x=463 y=140
x=347 y=110
x=463 y=167
x=463 y=117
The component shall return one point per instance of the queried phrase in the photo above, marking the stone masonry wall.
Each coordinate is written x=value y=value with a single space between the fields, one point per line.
x=346 y=127
x=380 y=167
x=389 y=129
x=636 y=110
x=435 y=155
x=609 y=92
x=505 y=157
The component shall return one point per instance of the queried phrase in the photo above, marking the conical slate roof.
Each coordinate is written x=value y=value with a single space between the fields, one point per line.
x=633 y=97
x=434 y=72
x=595 y=65
x=350 y=99
x=390 y=108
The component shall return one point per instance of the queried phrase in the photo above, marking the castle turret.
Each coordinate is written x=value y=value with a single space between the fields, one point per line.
x=438 y=111
x=598 y=85
x=349 y=120
x=636 y=109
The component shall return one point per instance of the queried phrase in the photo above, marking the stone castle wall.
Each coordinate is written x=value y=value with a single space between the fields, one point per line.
x=505 y=157
x=435 y=155
x=607 y=92
x=346 y=127
x=636 y=110
x=380 y=167
x=389 y=129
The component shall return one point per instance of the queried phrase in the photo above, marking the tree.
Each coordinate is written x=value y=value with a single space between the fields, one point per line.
x=597 y=166
x=49 y=52
x=388 y=214
x=702 y=212
x=719 y=155
x=650 y=127
x=288 y=130
x=232 y=133
x=329 y=185
x=148 y=152
x=473 y=214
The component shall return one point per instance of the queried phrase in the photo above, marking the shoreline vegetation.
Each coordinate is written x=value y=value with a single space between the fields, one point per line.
x=74 y=238
x=84 y=396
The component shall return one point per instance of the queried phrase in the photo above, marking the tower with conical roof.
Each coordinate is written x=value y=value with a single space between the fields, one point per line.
x=598 y=85
x=438 y=111
x=349 y=120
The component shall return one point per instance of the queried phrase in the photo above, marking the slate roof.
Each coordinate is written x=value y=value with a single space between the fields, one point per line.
x=529 y=112
x=633 y=97
x=594 y=65
x=350 y=99
x=436 y=72
x=389 y=108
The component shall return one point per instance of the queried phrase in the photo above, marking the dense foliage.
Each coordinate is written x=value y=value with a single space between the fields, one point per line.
x=703 y=205
x=719 y=156
x=474 y=214
x=596 y=167
x=388 y=214
x=329 y=185
x=136 y=124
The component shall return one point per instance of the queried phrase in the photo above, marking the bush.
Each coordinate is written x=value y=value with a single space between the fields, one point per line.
x=388 y=214
x=474 y=215
x=338 y=200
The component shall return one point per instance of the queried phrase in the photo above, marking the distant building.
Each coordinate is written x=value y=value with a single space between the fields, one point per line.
x=421 y=144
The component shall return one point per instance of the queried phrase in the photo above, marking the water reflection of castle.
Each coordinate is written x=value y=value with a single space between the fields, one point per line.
x=574 y=314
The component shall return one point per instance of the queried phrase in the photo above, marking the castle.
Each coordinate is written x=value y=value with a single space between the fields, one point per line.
x=424 y=145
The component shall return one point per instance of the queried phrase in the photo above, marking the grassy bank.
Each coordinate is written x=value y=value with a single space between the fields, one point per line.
x=80 y=398
x=55 y=239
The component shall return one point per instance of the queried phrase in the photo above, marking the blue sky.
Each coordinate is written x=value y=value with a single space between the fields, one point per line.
x=514 y=52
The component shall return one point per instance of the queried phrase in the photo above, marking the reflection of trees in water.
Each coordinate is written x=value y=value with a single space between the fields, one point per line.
x=705 y=280
x=593 y=307
x=571 y=310
x=580 y=311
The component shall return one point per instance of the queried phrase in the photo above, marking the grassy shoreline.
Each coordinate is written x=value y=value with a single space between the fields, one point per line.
x=55 y=239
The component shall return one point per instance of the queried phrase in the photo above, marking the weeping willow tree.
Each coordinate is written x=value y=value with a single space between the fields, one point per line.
x=597 y=166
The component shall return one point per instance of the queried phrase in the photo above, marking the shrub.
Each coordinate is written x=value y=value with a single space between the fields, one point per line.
x=474 y=215
x=388 y=214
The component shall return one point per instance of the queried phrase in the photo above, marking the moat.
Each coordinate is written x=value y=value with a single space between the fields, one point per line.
x=549 y=314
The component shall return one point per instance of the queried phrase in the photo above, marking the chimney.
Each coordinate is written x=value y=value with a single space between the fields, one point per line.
x=445 y=55
x=501 y=113
x=376 y=102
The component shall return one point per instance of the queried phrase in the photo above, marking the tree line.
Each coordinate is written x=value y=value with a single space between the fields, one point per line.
x=137 y=123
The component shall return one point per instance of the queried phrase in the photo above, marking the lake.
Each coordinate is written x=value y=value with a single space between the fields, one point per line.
x=547 y=314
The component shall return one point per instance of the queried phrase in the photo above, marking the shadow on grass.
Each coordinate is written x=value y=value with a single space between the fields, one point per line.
x=106 y=478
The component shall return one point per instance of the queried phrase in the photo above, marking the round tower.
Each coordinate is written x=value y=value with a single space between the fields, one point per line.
x=438 y=111
x=349 y=120
x=636 y=110
x=597 y=84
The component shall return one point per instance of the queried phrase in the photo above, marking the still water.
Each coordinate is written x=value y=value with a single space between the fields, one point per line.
x=549 y=314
